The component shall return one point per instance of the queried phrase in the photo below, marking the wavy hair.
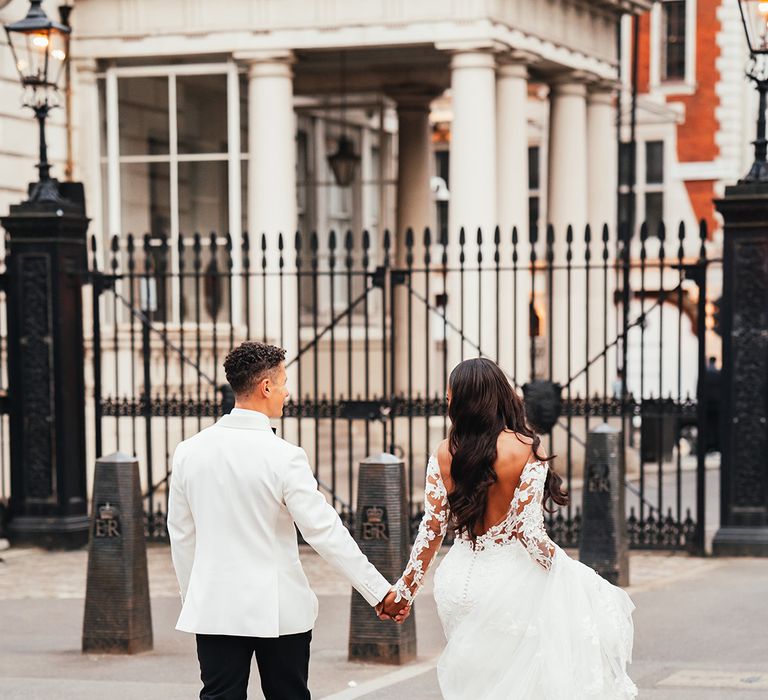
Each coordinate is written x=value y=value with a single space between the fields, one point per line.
x=483 y=404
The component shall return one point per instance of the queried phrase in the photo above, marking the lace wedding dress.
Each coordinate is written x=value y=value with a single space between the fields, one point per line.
x=523 y=620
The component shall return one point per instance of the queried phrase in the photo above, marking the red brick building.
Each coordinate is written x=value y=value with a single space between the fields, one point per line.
x=694 y=107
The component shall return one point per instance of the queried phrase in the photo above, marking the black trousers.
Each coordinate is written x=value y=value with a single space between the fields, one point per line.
x=225 y=665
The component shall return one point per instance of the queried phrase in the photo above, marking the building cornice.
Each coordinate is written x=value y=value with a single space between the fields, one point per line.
x=636 y=7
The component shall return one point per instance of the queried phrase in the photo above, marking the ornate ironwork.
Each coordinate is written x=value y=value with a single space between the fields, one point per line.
x=357 y=342
x=750 y=372
x=37 y=376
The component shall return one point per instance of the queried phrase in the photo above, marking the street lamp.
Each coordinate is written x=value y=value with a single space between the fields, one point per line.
x=754 y=17
x=40 y=49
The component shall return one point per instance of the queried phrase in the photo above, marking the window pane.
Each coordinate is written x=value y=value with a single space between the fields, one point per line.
x=302 y=172
x=625 y=165
x=244 y=195
x=201 y=113
x=143 y=113
x=102 y=88
x=206 y=285
x=654 y=162
x=243 y=114
x=145 y=198
x=203 y=197
x=533 y=168
x=654 y=211
x=442 y=159
x=673 y=49
x=625 y=204
x=533 y=214
x=204 y=208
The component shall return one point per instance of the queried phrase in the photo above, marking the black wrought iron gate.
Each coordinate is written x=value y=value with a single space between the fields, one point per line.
x=610 y=332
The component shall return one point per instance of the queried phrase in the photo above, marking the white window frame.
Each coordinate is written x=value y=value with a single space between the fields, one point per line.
x=233 y=156
x=656 y=54
x=643 y=187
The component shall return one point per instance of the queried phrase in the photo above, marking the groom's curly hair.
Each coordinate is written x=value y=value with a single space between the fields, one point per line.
x=249 y=363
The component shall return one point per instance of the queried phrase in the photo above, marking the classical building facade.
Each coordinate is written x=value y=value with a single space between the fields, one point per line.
x=191 y=116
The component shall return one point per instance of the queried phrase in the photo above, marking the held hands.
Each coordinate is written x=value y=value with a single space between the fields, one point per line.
x=388 y=609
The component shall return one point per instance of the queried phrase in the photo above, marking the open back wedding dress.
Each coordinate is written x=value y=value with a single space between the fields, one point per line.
x=523 y=620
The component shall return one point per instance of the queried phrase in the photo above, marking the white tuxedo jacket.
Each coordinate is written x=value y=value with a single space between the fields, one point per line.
x=236 y=491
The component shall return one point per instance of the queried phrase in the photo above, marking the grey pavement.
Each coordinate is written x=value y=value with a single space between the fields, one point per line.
x=701 y=632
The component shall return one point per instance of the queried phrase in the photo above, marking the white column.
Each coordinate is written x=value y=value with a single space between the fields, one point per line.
x=602 y=158
x=512 y=145
x=567 y=185
x=602 y=171
x=512 y=193
x=234 y=176
x=271 y=185
x=87 y=162
x=415 y=210
x=567 y=205
x=472 y=198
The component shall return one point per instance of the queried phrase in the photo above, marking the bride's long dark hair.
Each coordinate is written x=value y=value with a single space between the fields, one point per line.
x=483 y=404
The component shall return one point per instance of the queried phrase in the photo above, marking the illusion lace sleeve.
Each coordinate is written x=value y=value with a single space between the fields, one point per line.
x=529 y=514
x=430 y=536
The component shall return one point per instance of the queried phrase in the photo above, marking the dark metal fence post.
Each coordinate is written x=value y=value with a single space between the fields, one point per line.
x=744 y=321
x=97 y=283
x=146 y=406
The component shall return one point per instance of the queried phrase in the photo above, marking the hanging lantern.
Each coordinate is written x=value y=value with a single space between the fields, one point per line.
x=344 y=162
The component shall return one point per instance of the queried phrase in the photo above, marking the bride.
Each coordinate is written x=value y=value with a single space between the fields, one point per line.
x=523 y=620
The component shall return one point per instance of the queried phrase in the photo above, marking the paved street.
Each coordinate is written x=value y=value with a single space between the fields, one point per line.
x=700 y=633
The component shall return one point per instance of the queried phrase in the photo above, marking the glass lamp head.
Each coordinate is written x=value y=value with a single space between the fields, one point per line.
x=40 y=49
x=344 y=162
x=754 y=17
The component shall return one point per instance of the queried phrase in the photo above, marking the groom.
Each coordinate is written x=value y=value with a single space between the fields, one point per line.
x=237 y=490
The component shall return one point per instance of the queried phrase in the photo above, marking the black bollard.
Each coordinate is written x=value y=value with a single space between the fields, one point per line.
x=382 y=529
x=603 y=545
x=118 y=618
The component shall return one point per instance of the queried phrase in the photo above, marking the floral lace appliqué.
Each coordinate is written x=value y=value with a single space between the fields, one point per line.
x=430 y=536
x=524 y=521
x=528 y=514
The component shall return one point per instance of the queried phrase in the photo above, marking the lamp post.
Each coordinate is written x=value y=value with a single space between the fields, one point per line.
x=744 y=328
x=40 y=49
x=46 y=262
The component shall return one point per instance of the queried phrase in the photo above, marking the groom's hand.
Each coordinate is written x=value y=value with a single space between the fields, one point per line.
x=389 y=609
